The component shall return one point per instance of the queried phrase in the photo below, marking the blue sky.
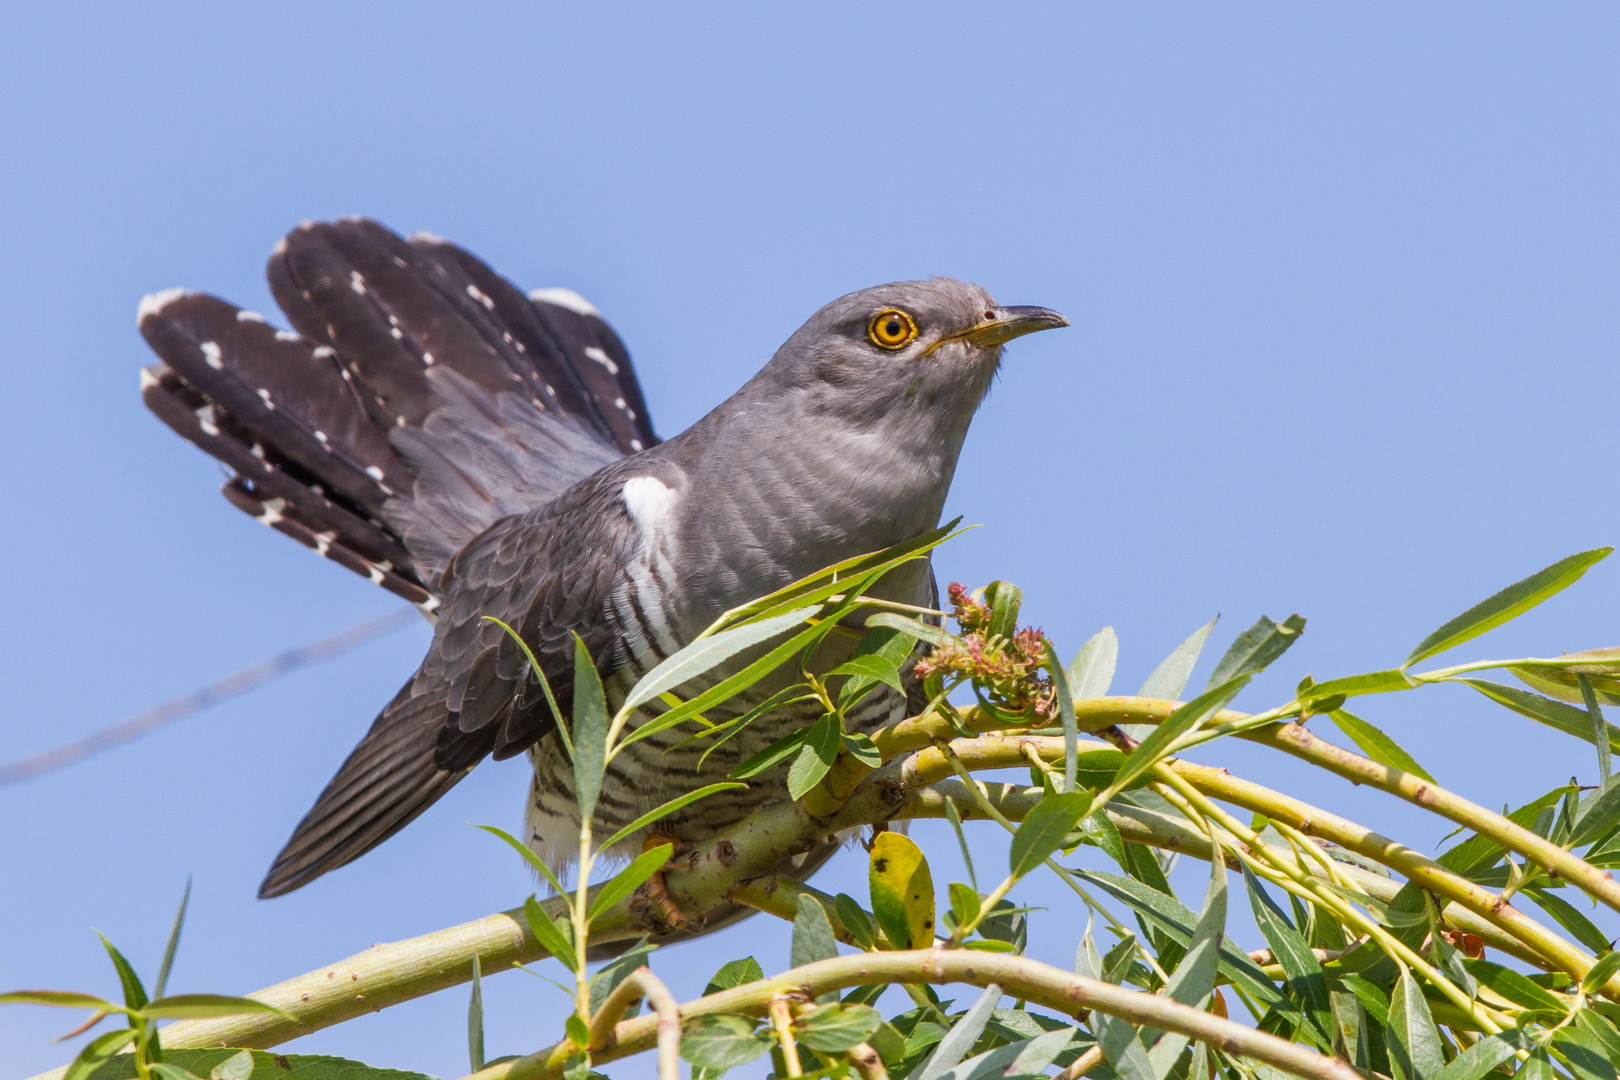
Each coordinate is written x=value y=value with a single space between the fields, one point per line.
x=1343 y=288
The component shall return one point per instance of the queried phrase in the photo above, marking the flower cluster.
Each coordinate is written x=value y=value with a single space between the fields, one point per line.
x=1005 y=669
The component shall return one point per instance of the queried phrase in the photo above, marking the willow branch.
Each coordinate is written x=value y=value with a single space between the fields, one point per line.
x=638 y=984
x=1017 y=975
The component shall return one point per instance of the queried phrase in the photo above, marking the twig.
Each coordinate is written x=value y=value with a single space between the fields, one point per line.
x=642 y=983
x=781 y=1013
x=1082 y=1064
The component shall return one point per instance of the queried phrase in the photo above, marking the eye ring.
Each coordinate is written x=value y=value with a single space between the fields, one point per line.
x=891 y=329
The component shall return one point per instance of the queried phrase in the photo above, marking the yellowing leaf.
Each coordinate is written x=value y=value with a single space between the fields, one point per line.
x=902 y=892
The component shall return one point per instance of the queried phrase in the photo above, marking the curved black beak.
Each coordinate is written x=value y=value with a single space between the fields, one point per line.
x=1002 y=324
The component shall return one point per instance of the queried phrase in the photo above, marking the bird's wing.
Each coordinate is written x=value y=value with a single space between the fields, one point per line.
x=550 y=573
x=419 y=398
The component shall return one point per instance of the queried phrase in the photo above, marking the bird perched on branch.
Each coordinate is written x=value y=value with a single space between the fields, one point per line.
x=482 y=452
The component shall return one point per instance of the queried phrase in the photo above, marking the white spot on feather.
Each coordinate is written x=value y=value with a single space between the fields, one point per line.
x=635 y=444
x=356 y=282
x=398 y=334
x=320 y=437
x=211 y=354
x=427 y=359
x=650 y=502
x=272 y=511
x=477 y=294
x=249 y=316
x=565 y=298
x=325 y=352
x=265 y=395
x=205 y=419
x=152 y=303
x=150 y=375
x=289 y=335
x=374 y=472
x=594 y=353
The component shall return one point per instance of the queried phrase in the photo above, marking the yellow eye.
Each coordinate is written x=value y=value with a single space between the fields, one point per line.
x=891 y=329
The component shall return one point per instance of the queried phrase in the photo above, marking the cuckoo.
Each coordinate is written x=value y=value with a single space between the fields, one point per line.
x=480 y=451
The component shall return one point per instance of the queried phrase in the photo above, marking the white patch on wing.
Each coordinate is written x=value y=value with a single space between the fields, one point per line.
x=205 y=419
x=478 y=295
x=248 y=316
x=289 y=335
x=635 y=444
x=565 y=298
x=374 y=472
x=149 y=375
x=592 y=352
x=211 y=354
x=357 y=282
x=152 y=303
x=649 y=501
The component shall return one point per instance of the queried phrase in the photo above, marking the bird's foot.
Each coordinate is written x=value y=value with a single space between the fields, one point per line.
x=658 y=894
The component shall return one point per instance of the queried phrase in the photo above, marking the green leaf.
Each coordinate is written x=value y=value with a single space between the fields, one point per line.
x=607 y=980
x=628 y=880
x=723 y=1041
x=705 y=654
x=1293 y=953
x=1580 y=927
x=1256 y=648
x=1515 y=987
x=162 y=983
x=965 y=903
x=1185 y=719
x=1510 y=603
x=1555 y=714
x=590 y=730
x=902 y=891
x=1004 y=922
x=1004 y=599
x=1597 y=817
x=1479 y=1059
x=101 y=1049
x=1601 y=973
x=265 y=1065
x=816 y=756
x=169 y=1071
x=835 y=1027
x=990 y=945
x=1169 y=679
x=961 y=1037
x=134 y=993
x=734 y=973
x=1413 y=1040
x=554 y=935
x=770 y=757
x=1043 y=830
x=1372 y=682
x=1600 y=728
x=238 y=1066
x=1583 y=1054
x=539 y=674
x=812 y=933
x=578 y=1032
x=1601 y=1029
x=65 y=999
x=1092 y=672
x=1065 y=702
x=1194 y=978
x=1025 y=1059
x=668 y=808
x=1100 y=829
x=914 y=628
x=1377 y=745
x=528 y=856
x=1479 y=852
x=857 y=923
x=475 y=1019
x=863 y=749
x=204 y=1006
x=865 y=671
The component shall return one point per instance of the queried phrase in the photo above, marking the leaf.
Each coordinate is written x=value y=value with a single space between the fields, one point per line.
x=835 y=1027
x=102 y=1048
x=1601 y=973
x=1555 y=714
x=1255 y=649
x=1583 y=1054
x=965 y=903
x=204 y=1006
x=1005 y=923
x=734 y=973
x=1514 y=987
x=1194 y=977
x=914 y=628
x=862 y=749
x=1373 y=682
x=770 y=757
x=168 y=1071
x=1025 y=1059
x=812 y=933
x=1092 y=672
x=265 y=1065
x=134 y=993
x=1004 y=599
x=1169 y=679
x=1597 y=817
x=1478 y=852
x=1065 y=702
x=1043 y=830
x=857 y=923
x=1100 y=829
x=668 y=808
x=162 y=983
x=1580 y=927
x=589 y=730
x=705 y=654
x=607 y=980
x=1511 y=602
x=1187 y=718
x=550 y=935
x=1479 y=1059
x=1378 y=746
x=723 y=1041
x=865 y=671
x=902 y=891
x=528 y=856
x=816 y=756
x=475 y=1020
x=238 y=1066
x=629 y=879
x=1600 y=729
x=65 y=999
x=990 y=945
x=962 y=1035
x=1413 y=1040
x=1293 y=953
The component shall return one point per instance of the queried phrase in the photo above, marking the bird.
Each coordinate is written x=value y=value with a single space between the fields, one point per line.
x=481 y=451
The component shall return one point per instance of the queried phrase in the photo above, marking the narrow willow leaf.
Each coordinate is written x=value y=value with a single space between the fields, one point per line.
x=65 y=999
x=1004 y=599
x=134 y=993
x=1600 y=729
x=475 y=1019
x=167 y=1071
x=1091 y=675
x=1372 y=682
x=857 y=923
x=1510 y=603
x=1188 y=718
x=1601 y=972
x=98 y=1051
x=1024 y=1059
x=723 y=1042
x=551 y=936
x=590 y=730
x=1255 y=649
x=1100 y=829
x=628 y=880
x=902 y=891
x=816 y=756
x=1601 y=1029
x=955 y=819
x=1065 y=701
x=1583 y=1054
x=1293 y=953
x=1377 y=745
x=528 y=856
x=962 y=1035
x=1597 y=817
x=1479 y=1059
x=669 y=808
x=915 y=628
x=203 y=1006
x=174 y=942
x=770 y=757
x=864 y=671
x=1414 y=1041
x=539 y=674
x=835 y=1027
x=1043 y=830
x=1561 y=678
x=1566 y=915
x=705 y=654
x=812 y=933
x=607 y=980
x=1555 y=714
x=1169 y=679
x=1515 y=987
x=1194 y=977
x=965 y=903
x=1480 y=852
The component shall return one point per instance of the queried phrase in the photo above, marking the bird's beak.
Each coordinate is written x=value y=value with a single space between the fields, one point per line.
x=1005 y=323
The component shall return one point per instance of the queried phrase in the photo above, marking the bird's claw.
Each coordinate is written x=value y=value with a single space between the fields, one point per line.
x=658 y=893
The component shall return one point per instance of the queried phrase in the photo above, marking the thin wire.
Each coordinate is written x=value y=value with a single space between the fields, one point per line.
x=178 y=708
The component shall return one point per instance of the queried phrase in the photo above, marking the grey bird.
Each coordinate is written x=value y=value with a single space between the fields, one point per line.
x=485 y=453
